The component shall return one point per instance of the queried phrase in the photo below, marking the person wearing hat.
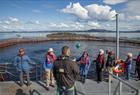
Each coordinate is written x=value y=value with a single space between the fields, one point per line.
x=128 y=63
x=22 y=63
x=48 y=65
x=100 y=65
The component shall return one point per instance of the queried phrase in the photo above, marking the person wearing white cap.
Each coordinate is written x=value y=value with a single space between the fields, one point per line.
x=100 y=65
x=128 y=64
x=48 y=66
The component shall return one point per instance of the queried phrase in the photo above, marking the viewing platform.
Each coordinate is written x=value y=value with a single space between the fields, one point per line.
x=91 y=87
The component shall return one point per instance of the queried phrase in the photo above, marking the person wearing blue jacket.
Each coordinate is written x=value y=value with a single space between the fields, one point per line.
x=128 y=66
x=84 y=65
x=48 y=66
x=22 y=63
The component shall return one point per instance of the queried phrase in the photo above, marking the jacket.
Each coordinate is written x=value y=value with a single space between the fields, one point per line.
x=22 y=63
x=65 y=72
x=100 y=61
x=50 y=59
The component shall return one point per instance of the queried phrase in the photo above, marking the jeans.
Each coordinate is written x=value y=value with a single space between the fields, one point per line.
x=21 y=73
x=128 y=71
x=66 y=92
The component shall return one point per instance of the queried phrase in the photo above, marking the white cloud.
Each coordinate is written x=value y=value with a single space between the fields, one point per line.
x=92 y=11
x=67 y=26
x=132 y=7
x=76 y=9
x=13 y=19
x=60 y=25
x=136 y=17
x=100 y=12
x=113 y=2
x=93 y=24
x=36 y=11
x=63 y=25
x=37 y=22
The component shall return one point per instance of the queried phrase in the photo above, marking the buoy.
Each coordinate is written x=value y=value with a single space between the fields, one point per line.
x=78 y=45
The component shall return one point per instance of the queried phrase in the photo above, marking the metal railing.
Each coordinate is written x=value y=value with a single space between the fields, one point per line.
x=10 y=70
x=119 y=86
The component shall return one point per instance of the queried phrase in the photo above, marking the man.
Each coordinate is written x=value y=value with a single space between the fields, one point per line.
x=65 y=72
x=48 y=65
x=110 y=62
x=100 y=65
x=138 y=65
x=22 y=63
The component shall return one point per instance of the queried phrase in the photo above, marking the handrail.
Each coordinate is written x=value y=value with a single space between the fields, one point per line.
x=120 y=85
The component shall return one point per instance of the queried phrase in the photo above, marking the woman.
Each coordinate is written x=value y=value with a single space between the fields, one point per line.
x=84 y=65
x=48 y=65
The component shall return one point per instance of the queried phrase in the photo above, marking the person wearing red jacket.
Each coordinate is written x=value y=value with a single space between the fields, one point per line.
x=100 y=65
x=84 y=65
x=48 y=65
x=138 y=65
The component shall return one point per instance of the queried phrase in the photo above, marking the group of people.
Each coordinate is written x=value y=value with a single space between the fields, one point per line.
x=65 y=70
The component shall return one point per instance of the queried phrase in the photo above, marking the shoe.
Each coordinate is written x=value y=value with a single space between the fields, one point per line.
x=28 y=84
x=21 y=84
x=47 y=88
x=52 y=85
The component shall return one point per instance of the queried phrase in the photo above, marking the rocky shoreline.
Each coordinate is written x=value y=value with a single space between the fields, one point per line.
x=63 y=37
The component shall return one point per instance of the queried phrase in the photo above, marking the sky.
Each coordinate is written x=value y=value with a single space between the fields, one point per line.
x=43 y=15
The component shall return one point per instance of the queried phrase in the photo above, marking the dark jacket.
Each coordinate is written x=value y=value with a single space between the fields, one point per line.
x=138 y=62
x=100 y=62
x=65 y=72
x=110 y=61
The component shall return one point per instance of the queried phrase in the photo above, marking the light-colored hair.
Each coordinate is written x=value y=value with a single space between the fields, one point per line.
x=130 y=55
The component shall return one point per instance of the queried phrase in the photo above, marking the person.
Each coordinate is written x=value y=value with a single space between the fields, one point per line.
x=110 y=62
x=84 y=65
x=66 y=72
x=128 y=63
x=100 y=65
x=22 y=63
x=138 y=65
x=48 y=66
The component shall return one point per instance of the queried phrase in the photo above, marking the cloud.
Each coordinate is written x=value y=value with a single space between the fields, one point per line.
x=67 y=26
x=136 y=17
x=76 y=9
x=113 y=2
x=92 y=11
x=132 y=7
x=13 y=19
x=10 y=23
x=100 y=12
x=36 y=22
x=93 y=24
x=36 y=11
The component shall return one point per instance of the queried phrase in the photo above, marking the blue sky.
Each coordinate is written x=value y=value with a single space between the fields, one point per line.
x=28 y=15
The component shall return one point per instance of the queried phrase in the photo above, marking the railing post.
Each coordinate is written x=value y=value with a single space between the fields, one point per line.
x=36 y=71
x=109 y=85
x=120 y=88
